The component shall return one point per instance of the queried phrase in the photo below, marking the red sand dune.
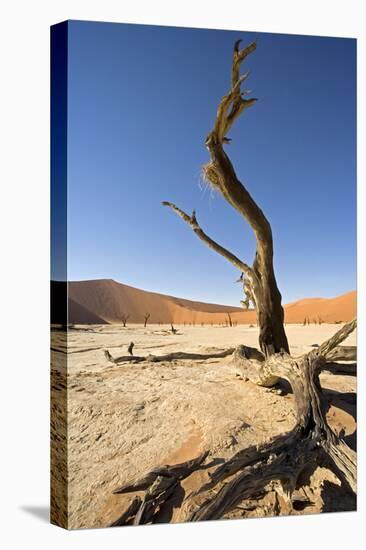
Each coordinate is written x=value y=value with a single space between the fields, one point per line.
x=107 y=301
x=330 y=310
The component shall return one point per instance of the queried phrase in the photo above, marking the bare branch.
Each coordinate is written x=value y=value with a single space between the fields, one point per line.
x=342 y=353
x=238 y=104
x=325 y=349
x=192 y=221
x=181 y=355
x=225 y=177
x=224 y=120
x=233 y=100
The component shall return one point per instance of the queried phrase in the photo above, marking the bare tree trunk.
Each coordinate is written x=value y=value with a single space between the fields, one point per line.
x=124 y=319
x=259 y=281
x=270 y=315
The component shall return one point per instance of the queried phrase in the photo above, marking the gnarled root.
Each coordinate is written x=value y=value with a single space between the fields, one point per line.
x=181 y=355
x=249 y=473
x=159 y=485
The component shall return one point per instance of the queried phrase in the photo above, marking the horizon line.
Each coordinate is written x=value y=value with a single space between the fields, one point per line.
x=197 y=300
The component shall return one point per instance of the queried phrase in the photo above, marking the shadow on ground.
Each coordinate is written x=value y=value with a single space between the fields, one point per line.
x=337 y=498
x=40 y=512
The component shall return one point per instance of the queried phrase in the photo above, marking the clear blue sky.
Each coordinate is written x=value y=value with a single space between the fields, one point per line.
x=141 y=101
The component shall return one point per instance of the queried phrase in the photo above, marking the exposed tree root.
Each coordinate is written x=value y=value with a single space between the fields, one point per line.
x=159 y=485
x=167 y=357
x=343 y=353
x=250 y=362
x=350 y=369
x=285 y=461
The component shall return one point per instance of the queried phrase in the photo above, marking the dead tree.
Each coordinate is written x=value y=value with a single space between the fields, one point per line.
x=283 y=464
x=181 y=355
x=146 y=318
x=229 y=319
x=124 y=319
x=286 y=462
x=259 y=281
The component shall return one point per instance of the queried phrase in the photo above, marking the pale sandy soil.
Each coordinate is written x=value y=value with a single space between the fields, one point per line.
x=128 y=418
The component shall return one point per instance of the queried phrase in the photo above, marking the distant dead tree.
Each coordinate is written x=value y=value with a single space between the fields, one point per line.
x=124 y=318
x=230 y=323
x=286 y=462
x=146 y=318
x=173 y=330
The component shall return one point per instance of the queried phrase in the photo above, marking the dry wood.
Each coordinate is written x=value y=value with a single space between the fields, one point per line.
x=168 y=357
x=259 y=284
x=159 y=484
x=286 y=460
x=192 y=221
x=343 y=353
x=349 y=369
x=129 y=513
x=124 y=319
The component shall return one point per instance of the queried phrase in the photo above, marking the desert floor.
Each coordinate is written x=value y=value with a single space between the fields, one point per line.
x=124 y=419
